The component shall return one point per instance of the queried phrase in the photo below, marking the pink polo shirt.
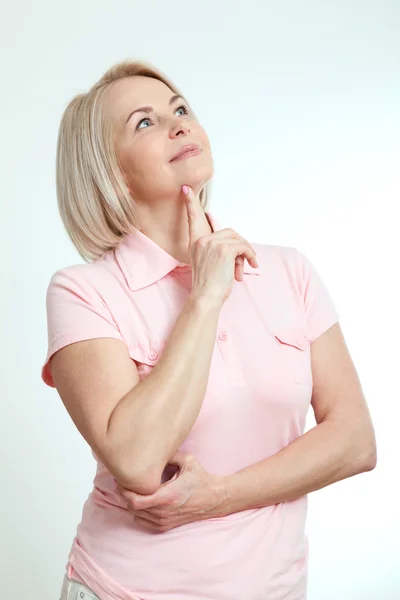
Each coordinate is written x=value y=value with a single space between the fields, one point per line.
x=258 y=394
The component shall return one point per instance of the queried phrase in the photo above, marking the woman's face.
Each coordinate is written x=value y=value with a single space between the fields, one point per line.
x=151 y=126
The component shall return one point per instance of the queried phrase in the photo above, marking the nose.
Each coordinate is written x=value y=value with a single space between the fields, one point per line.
x=179 y=128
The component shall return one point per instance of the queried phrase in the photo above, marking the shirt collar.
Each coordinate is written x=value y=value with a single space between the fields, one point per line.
x=143 y=262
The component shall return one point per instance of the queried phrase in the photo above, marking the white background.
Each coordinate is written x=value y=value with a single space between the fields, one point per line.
x=301 y=102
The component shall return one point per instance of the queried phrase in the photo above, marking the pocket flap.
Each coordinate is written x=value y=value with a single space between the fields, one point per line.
x=292 y=336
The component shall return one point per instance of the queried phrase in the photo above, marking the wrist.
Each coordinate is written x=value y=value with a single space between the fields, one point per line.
x=223 y=489
x=204 y=304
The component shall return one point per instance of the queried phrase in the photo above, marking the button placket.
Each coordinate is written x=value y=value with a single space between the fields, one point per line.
x=230 y=357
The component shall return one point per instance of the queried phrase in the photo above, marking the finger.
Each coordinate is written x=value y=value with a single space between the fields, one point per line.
x=172 y=524
x=240 y=249
x=139 y=502
x=253 y=262
x=148 y=524
x=245 y=251
x=193 y=208
x=155 y=514
x=152 y=517
x=239 y=266
x=160 y=527
x=232 y=234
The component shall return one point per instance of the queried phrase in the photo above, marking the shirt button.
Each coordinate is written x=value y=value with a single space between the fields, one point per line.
x=81 y=594
x=153 y=355
x=223 y=336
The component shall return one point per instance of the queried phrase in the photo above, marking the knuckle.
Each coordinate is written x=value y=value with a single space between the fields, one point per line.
x=133 y=504
x=246 y=247
x=163 y=521
x=201 y=242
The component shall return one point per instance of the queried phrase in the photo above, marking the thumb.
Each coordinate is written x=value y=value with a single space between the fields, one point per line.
x=140 y=501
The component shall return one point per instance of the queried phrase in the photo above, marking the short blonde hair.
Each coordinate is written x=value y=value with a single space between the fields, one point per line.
x=93 y=199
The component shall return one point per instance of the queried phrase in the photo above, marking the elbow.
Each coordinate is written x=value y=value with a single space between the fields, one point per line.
x=132 y=470
x=368 y=458
x=361 y=449
x=143 y=485
x=145 y=482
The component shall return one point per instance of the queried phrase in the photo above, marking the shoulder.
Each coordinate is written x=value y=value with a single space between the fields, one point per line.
x=94 y=276
x=287 y=270
x=289 y=273
x=280 y=259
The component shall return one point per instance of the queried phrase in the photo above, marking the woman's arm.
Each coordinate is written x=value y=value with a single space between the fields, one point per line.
x=341 y=445
x=135 y=426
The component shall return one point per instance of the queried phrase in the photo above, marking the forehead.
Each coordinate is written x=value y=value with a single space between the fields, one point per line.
x=133 y=92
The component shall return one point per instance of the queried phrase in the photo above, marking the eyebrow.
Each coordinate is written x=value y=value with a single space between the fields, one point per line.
x=149 y=109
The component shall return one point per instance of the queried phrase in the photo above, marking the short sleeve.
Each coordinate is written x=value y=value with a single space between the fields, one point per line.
x=75 y=312
x=320 y=310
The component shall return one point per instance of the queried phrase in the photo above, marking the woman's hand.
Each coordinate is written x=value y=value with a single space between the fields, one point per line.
x=191 y=495
x=217 y=259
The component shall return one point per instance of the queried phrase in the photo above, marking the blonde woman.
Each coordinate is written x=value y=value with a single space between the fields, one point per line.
x=187 y=358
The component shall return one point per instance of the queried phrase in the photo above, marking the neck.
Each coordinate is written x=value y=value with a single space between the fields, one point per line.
x=167 y=225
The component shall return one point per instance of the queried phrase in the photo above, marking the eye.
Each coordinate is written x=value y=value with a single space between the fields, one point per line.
x=143 y=121
x=184 y=108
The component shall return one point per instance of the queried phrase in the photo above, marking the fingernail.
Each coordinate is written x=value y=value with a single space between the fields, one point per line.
x=185 y=189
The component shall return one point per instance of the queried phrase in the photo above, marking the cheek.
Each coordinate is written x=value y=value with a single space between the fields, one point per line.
x=203 y=137
x=143 y=161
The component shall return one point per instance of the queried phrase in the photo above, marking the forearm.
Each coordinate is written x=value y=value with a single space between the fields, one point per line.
x=153 y=419
x=325 y=454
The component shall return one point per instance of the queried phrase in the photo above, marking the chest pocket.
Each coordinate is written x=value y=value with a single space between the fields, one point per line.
x=295 y=352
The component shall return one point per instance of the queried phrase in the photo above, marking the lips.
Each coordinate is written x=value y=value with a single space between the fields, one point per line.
x=188 y=149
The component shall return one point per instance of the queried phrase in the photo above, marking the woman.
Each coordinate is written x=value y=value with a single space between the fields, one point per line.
x=187 y=358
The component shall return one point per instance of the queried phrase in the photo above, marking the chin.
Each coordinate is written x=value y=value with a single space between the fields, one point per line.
x=197 y=178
